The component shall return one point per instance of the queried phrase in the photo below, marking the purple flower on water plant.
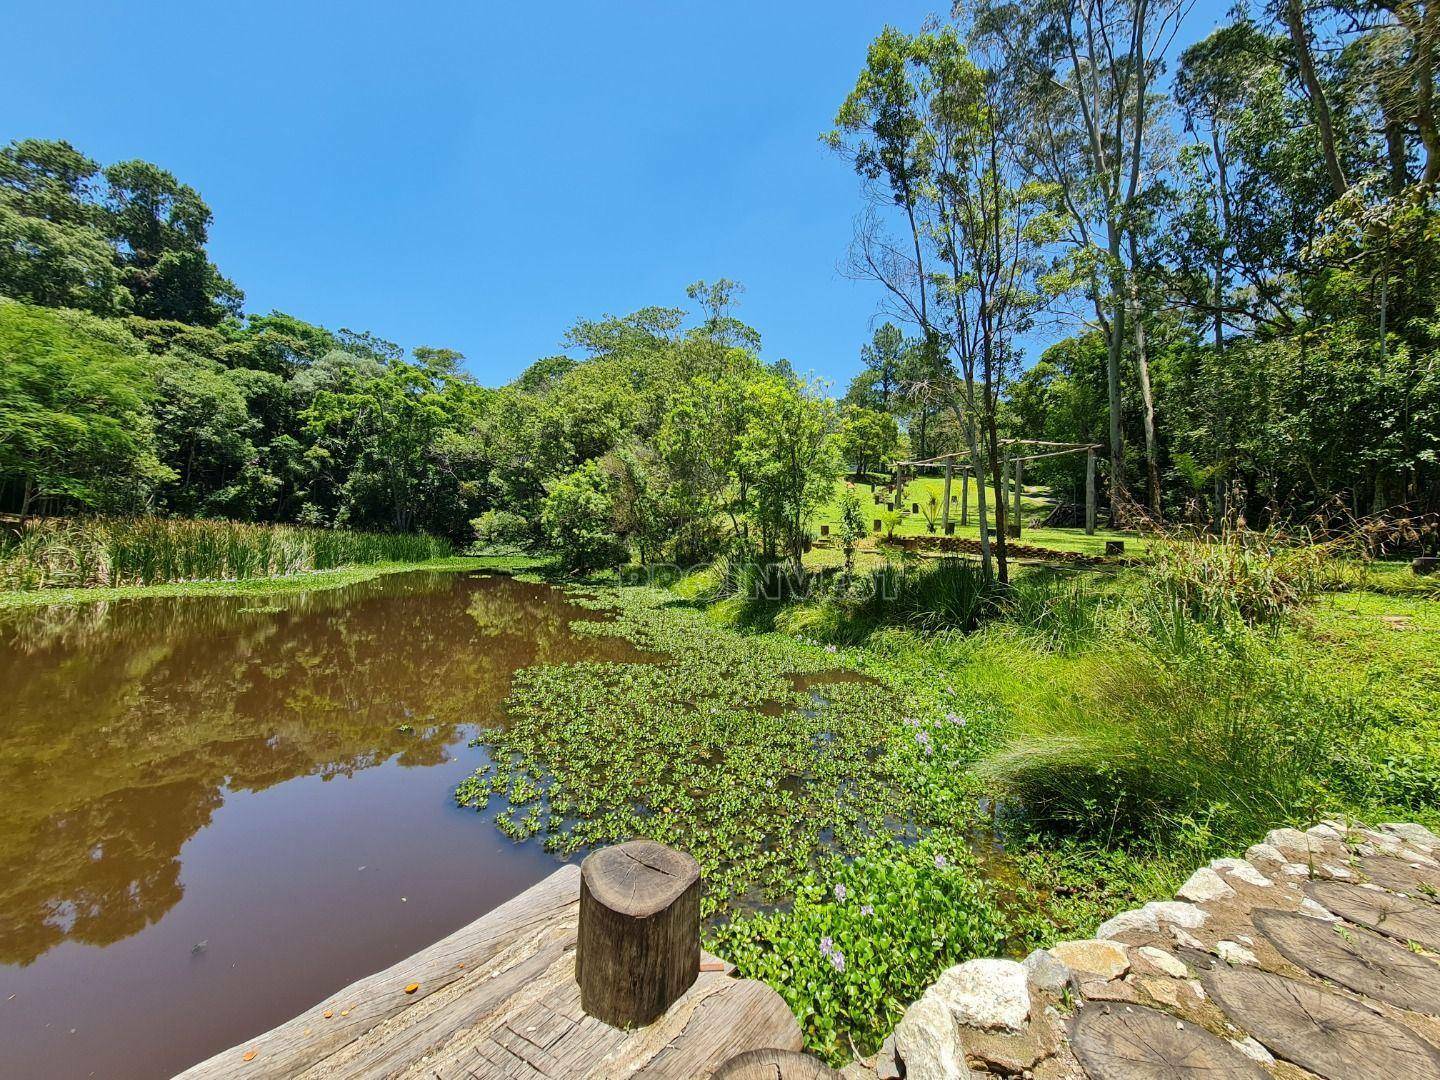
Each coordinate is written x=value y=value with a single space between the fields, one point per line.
x=922 y=739
x=940 y=862
x=956 y=719
x=827 y=946
x=831 y=649
x=866 y=909
x=840 y=893
x=837 y=960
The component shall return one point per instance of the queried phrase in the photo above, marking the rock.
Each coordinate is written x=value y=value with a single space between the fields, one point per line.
x=1326 y=832
x=1149 y=918
x=1104 y=958
x=1312 y=907
x=1109 y=990
x=1239 y=868
x=1189 y=941
x=1337 y=871
x=1265 y=853
x=887 y=1064
x=1253 y=1050
x=1411 y=833
x=1009 y=1053
x=1294 y=840
x=1236 y=954
x=1205 y=884
x=1046 y=974
x=986 y=994
x=1163 y=961
x=1162 y=991
x=927 y=1040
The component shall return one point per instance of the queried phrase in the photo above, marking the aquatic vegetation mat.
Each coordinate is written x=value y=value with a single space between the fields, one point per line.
x=758 y=754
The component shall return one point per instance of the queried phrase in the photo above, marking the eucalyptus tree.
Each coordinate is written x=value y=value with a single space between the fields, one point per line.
x=1083 y=76
x=930 y=132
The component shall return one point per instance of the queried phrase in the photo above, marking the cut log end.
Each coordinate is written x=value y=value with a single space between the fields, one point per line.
x=639 y=943
x=774 y=1065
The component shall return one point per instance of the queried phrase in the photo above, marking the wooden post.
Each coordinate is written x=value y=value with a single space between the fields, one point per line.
x=965 y=498
x=1002 y=497
x=639 y=941
x=945 y=514
x=1019 y=482
x=1090 y=492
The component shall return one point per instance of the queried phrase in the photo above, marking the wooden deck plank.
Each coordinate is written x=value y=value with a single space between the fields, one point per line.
x=498 y=1000
x=286 y=1051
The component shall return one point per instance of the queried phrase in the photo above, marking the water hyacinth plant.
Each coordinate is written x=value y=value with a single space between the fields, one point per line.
x=863 y=939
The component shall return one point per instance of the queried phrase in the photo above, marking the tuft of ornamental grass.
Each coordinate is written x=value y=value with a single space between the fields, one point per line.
x=1054 y=613
x=1139 y=743
x=1255 y=576
x=148 y=550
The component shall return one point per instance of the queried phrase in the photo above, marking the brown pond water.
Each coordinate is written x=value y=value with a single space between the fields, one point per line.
x=214 y=811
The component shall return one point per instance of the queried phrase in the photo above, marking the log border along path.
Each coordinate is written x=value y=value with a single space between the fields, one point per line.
x=1317 y=955
x=499 y=998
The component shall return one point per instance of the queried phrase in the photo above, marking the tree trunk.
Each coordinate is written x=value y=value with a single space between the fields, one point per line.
x=1142 y=364
x=1300 y=40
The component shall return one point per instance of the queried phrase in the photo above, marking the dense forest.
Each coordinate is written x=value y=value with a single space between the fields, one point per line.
x=1238 y=241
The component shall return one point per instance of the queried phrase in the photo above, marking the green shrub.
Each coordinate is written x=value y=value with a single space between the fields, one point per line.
x=500 y=528
x=950 y=594
x=864 y=939
x=577 y=518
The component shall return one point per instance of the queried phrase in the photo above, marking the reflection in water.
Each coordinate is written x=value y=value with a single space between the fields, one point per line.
x=127 y=726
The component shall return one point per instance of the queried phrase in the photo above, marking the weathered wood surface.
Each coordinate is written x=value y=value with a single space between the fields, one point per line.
x=499 y=998
x=1355 y=958
x=1332 y=1036
x=775 y=1065
x=639 y=944
x=1121 y=1042
x=1399 y=916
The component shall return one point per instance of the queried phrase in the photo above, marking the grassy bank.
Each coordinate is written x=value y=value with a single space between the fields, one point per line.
x=116 y=552
x=1013 y=769
x=304 y=582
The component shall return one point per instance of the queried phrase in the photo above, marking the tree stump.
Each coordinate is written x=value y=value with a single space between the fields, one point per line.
x=1330 y=1035
x=774 y=1065
x=1425 y=564
x=1400 y=917
x=824 y=530
x=1114 y=547
x=1358 y=959
x=1136 y=1043
x=639 y=940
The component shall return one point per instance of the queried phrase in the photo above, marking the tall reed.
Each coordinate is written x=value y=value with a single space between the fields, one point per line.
x=148 y=550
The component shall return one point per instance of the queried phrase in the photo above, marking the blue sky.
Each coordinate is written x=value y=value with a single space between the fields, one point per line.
x=476 y=176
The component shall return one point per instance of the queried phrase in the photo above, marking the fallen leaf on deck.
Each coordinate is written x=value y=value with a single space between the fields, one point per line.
x=329 y=1013
x=412 y=988
x=249 y=1055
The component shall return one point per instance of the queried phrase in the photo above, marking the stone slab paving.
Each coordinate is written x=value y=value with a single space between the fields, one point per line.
x=1315 y=956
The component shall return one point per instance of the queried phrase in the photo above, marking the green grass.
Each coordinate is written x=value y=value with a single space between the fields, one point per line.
x=1035 y=502
x=303 y=582
x=82 y=552
x=1079 y=752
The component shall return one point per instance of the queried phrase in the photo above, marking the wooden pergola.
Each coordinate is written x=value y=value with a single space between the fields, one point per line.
x=1011 y=476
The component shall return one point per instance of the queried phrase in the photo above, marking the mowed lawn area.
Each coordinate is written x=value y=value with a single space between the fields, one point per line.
x=1035 y=502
